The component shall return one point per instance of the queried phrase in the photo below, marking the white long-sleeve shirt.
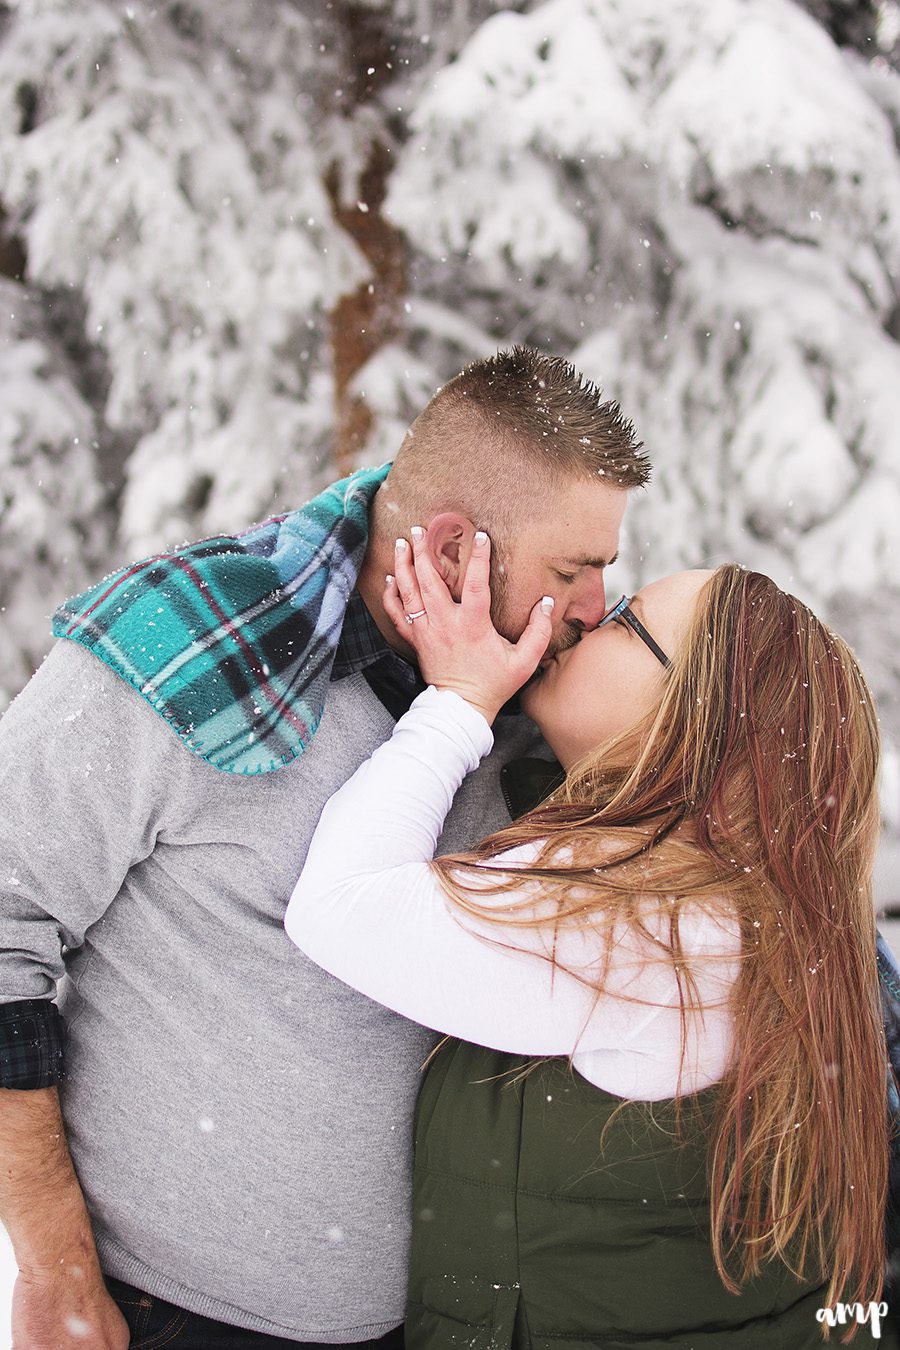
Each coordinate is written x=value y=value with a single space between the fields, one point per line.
x=369 y=909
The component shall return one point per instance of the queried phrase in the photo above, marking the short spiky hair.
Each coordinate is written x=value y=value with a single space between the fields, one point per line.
x=545 y=403
x=498 y=438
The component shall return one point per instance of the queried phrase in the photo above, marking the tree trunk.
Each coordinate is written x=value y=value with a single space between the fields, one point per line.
x=370 y=317
x=12 y=252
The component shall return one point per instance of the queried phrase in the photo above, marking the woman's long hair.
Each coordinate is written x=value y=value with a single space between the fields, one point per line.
x=751 y=788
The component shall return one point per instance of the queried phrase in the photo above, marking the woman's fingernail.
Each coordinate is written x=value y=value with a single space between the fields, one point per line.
x=480 y=537
x=389 y=580
x=547 y=604
x=401 y=545
x=416 y=531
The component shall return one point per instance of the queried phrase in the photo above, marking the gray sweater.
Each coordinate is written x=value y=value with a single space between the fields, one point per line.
x=239 y=1120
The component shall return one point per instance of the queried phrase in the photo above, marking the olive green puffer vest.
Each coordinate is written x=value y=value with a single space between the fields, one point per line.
x=529 y=1231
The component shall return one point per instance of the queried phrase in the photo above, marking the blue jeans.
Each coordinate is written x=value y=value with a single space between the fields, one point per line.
x=157 y=1325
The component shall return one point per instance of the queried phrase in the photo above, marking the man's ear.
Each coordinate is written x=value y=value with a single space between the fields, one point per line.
x=449 y=542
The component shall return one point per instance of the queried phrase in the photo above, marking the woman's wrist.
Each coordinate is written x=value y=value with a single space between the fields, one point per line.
x=467 y=724
x=488 y=707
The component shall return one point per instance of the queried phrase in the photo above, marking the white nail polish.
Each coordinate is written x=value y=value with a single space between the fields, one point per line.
x=417 y=531
x=401 y=545
x=547 y=604
x=480 y=537
x=389 y=580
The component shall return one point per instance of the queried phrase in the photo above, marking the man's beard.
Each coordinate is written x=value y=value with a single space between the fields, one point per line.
x=562 y=641
x=499 y=583
x=502 y=621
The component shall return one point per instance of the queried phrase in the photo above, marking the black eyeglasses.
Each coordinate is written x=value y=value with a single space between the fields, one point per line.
x=622 y=610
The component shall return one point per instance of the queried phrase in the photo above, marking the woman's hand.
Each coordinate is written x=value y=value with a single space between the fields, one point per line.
x=457 y=645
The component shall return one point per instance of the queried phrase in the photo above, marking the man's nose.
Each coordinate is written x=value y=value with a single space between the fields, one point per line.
x=589 y=606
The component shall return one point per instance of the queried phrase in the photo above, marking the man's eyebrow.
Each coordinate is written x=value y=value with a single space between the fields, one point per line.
x=584 y=561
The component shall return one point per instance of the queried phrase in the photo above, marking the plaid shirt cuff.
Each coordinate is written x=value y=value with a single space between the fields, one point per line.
x=32 y=1040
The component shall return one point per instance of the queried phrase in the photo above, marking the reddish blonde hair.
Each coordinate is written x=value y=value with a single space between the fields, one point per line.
x=752 y=786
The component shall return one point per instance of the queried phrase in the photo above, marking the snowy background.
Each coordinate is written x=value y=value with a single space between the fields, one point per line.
x=242 y=243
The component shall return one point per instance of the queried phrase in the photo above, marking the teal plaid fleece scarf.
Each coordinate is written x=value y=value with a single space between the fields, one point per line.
x=232 y=639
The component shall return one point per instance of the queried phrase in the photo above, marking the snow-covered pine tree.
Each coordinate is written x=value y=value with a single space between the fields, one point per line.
x=182 y=194
x=700 y=200
x=158 y=161
x=53 y=520
x=697 y=199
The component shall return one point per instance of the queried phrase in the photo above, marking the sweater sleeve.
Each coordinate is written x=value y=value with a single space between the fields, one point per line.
x=369 y=909
x=86 y=771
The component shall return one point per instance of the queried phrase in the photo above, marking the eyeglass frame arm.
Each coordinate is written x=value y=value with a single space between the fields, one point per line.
x=622 y=610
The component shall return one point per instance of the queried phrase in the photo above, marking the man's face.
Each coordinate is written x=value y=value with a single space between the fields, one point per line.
x=561 y=553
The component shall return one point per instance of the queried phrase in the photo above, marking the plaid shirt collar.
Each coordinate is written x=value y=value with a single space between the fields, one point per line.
x=362 y=645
